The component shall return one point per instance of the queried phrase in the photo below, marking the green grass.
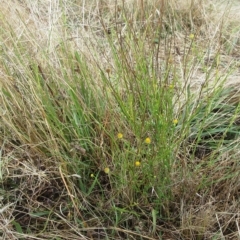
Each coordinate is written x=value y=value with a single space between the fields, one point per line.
x=125 y=127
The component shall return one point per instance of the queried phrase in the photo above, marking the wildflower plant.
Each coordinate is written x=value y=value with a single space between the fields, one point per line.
x=146 y=107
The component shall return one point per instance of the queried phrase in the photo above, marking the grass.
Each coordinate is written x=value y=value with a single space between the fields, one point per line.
x=119 y=120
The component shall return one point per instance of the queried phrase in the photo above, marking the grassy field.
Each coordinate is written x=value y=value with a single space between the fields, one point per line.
x=119 y=119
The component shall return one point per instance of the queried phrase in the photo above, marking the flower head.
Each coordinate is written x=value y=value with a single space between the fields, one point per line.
x=191 y=36
x=175 y=121
x=119 y=135
x=91 y=175
x=106 y=170
x=137 y=163
x=148 y=140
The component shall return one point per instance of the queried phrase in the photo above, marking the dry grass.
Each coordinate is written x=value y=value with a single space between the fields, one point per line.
x=71 y=78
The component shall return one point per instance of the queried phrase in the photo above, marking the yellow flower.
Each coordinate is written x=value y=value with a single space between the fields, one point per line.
x=106 y=170
x=171 y=86
x=191 y=36
x=137 y=163
x=175 y=121
x=119 y=135
x=148 y=140
x=92 y=175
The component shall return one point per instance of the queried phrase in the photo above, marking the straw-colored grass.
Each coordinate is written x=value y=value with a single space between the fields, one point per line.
x=119 y=119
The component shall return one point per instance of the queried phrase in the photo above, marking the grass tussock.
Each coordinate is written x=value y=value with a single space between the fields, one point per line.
x=119 y=120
